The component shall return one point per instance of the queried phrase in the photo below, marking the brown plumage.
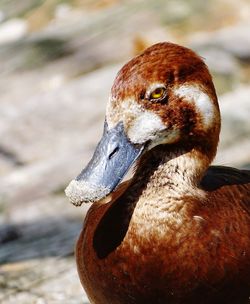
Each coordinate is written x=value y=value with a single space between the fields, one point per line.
x=179 y=230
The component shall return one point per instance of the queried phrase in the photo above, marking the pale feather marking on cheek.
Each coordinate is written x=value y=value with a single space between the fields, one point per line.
x=121 y=110
x=142 y=125
x=202 y=101
x=145 y=127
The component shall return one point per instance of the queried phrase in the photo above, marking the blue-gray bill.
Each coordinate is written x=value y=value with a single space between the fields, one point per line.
x=113 y=157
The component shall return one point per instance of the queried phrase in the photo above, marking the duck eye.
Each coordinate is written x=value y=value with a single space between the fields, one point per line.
x=158 y=94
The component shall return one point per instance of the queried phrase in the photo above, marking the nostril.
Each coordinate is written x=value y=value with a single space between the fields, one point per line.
x=113 y=152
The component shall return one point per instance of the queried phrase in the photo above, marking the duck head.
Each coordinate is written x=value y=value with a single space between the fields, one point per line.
x=165 y=96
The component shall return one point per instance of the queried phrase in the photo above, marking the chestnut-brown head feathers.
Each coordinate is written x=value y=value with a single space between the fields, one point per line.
x=186 y=111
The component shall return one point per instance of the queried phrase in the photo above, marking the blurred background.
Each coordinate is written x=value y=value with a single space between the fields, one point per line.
x=58 y=59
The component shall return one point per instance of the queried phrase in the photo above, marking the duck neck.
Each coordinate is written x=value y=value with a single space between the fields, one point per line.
x=173 y=170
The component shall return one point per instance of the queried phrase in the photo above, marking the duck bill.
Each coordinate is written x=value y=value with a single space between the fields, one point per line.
x=113 y=157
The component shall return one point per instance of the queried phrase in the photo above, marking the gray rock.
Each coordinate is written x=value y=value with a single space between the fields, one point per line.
x=16 y=8
x=37 y=281
x=52 y=136
x=223 y=66
x=38 y=266
x=233 y=39
x=219 y=61
x=13 y=30
x=234 y=145
x=235 y=111
x=50 y=124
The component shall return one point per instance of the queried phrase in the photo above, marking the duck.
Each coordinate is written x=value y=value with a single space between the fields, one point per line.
x=177 y=231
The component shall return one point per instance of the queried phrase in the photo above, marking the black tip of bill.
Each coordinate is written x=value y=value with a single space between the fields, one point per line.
x=113 y=157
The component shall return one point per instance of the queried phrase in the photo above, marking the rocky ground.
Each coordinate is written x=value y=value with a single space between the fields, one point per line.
x=58 y=60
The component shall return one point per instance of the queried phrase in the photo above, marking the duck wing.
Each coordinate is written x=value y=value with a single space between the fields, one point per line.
x=220 y=176
x=217 y=177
